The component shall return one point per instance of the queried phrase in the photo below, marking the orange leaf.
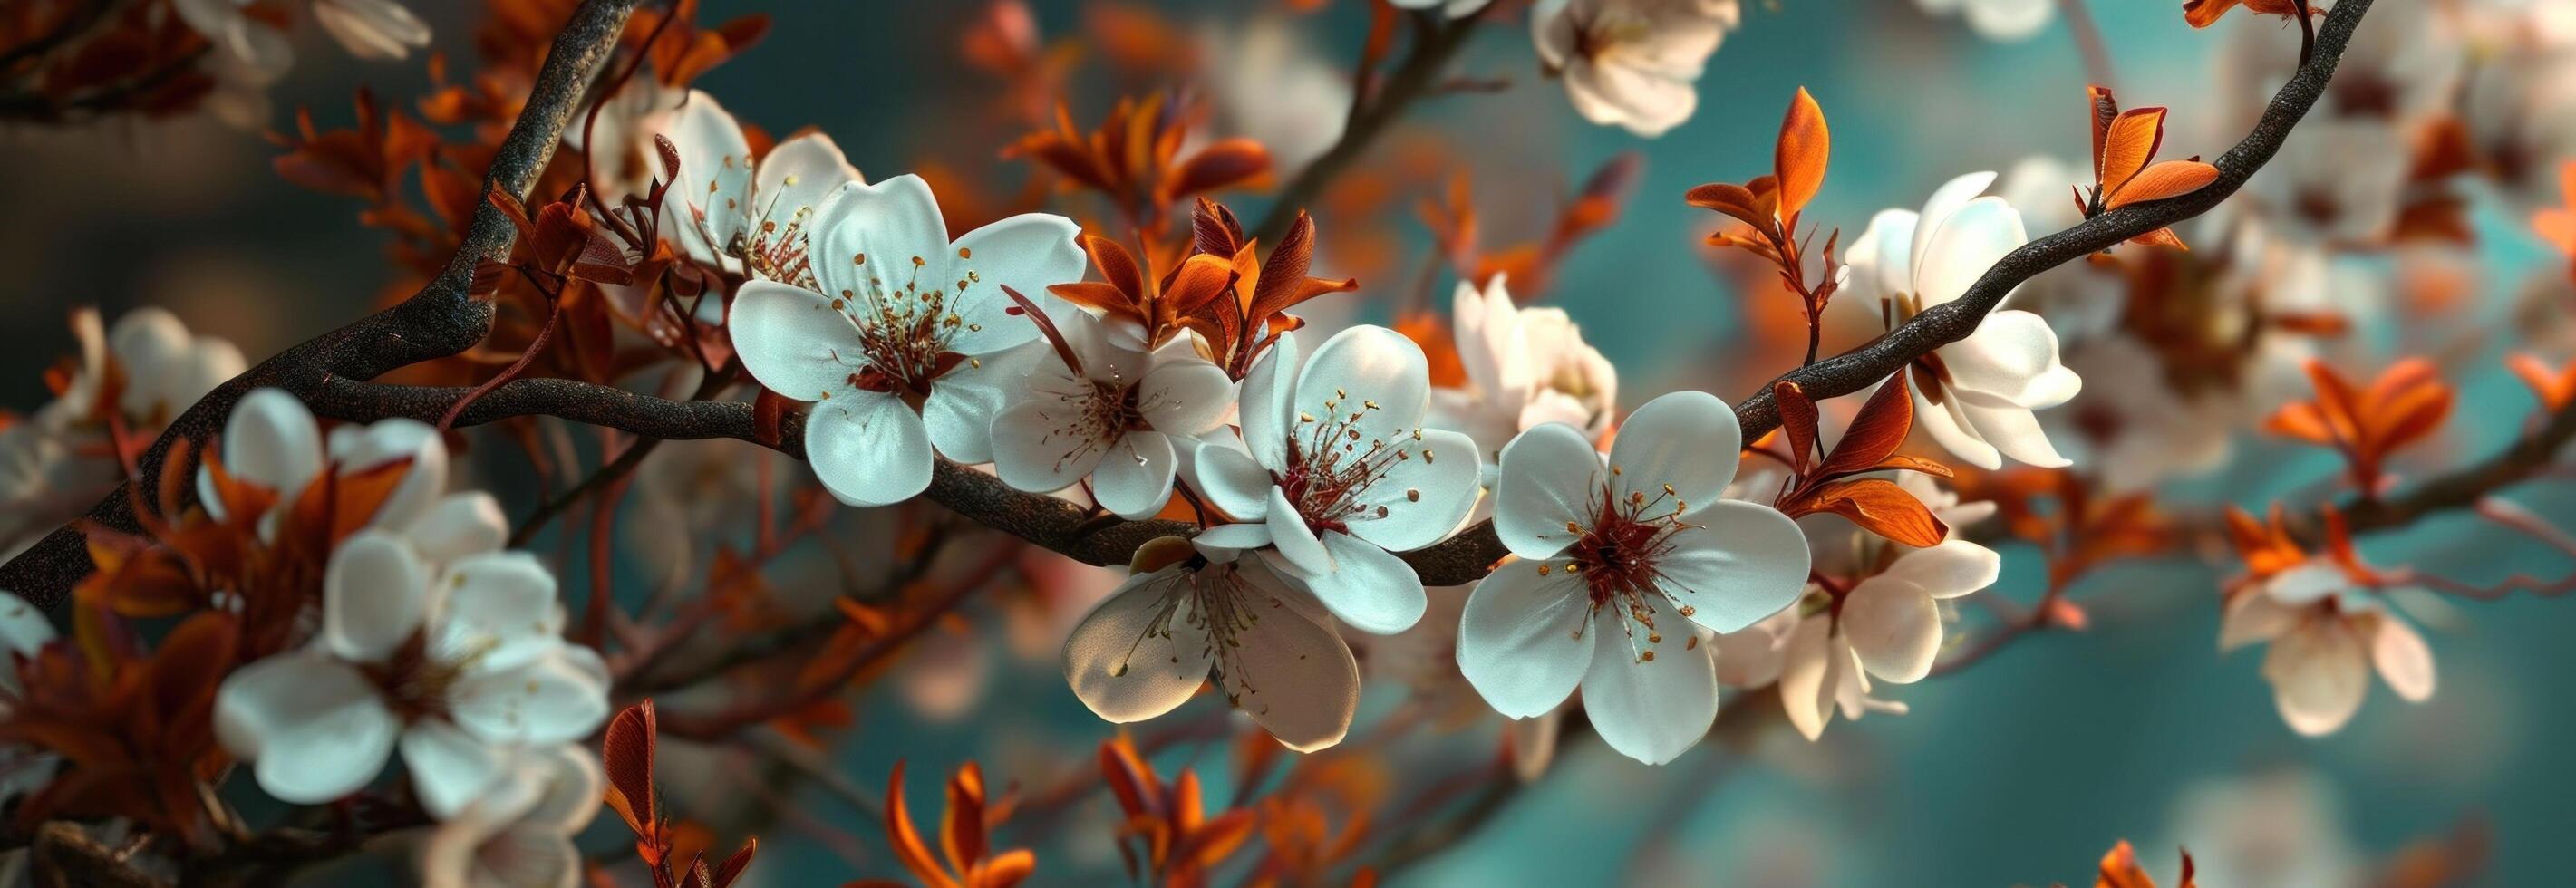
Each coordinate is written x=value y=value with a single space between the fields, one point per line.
x=2120 y=869
x=2172 y=178
x=1799 y=159
x=2104 y=109
x=1876 y=432
x=626 y=754
x=2126 y=148
x=961 y=828
x=1797 y=421
x=906 y=840
x=1881 y=507
x=2161 y=237
x=2547 y=383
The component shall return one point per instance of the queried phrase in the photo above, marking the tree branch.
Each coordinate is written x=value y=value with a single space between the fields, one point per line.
x=380 y=343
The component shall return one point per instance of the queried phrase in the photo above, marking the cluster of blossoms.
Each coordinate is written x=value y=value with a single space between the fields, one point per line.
x=129 y=381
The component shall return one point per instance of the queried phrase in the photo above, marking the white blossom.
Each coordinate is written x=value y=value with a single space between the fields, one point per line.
x=732 y=212
x=910 y=343
x=1120 y=419
x=1979 y=404
x=1632 y=63
x=59 y=461
x=1340 y=473
x=1609 y=555
x=519 y=835
x=1525 y=367
x=1148 y=647
x=2326 y=636
x=2000 y=20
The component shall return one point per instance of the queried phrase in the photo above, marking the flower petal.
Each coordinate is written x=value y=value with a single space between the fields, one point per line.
x=795 y=179
x=2319 y=674
x=2402 y=658
x=794 y=341
x=358 y=448
x=271 y=440
x=500 y=610
x=1418 y=502
x=1127 y=661
x=1368 y=588
x=449 y=768
x=714 y=179
x=375 y=592
x=1366 y=379
x=876 y=238
x=1807 y=680
x=1949 y=570
x=1944 y=201
x=1895 y=628
x=1228 y=477
x=1296 y=541
x=1294 y=676
x=1184 y=394
x=1029 y=253
x=2015 y=432
x=964 y=402
x=556 y=699
x=1735 y=563
x=1036 y=448
x=1135 y=479
x=1520 y=638
x=2009 y=359
x=459 y=524
x=1550 y=476
x=1968 y=243
x=868 y=449
x=1269 y=415
x=1651 y=710
x=1686 y=442
x=316 y=727
x=1948 y=425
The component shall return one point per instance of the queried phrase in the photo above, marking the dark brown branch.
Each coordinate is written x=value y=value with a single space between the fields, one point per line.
x=440 y=320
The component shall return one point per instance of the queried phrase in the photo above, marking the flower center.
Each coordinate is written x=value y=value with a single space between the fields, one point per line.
x=1619 y=557
x=1092 y=415
x=1220 y=603
x=1332 y=463
x=905 y=328
x=416 y=683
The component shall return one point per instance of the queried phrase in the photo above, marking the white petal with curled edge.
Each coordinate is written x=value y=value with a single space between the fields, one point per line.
x=500 y=611
x=318 y=728
x=571 y=782
x=1550 y=476
x=1367 y=379
x=1520 y=637
x=1734 y=564
x=1948 y=424
x=2402 y=658
x=2319 y=674
x=1135 y=479
x=1029 y=253
x=794 y=341
x=1420 y=501
x=1968 y=243
x=1687 y=441
x=704 y=207
x=358 y=448
x=556 y=699
x=1937 y=210
x=2306 y=583
x=449 y=768
x=2005 y=360
x=1184 y=394
x=2253 y=617
x=1268 y=417
x=1894 y=627
x=2015 y=432
x=1230 y=479
x=1243 y=537
x=1948 y=570
x=868 y=236
x=459 y=524
x=1806 y=677
x=1649 y=710
x=868 y=449
x=966 y=400
x=1883 y=256
x=372 y=29
x=1037 y=447
x=1138 y=655
x=375 y=593
x=1367 y=587
x=798 y=176
x=1294 y=676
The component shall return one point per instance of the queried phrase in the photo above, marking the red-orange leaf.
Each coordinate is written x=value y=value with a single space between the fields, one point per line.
x=1881 y=426
x=1881 y=507
x=2126 y=148
x=1799 y=158
x=2172 y=178
x=1797 y=421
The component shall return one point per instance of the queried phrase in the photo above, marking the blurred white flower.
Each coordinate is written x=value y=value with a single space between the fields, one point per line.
x=1890 y=622
x=2282 y=829
x=1525 y=367
x=369 y=29
x=1277 y=89
x=454 y=665
x=1974 y=396
x=2337 y=182
x=2003 y=20
x=1609 y=551
x=271 y=440
x=1340 y=473
x=1146 y=649
x=1631 y=63
x=2129 y=427
x=731 y=212
x=2326 y=636
x=2080 y=300
x=910 y=343
x=59 y=461
x=1114 y=415
x=519 y=835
